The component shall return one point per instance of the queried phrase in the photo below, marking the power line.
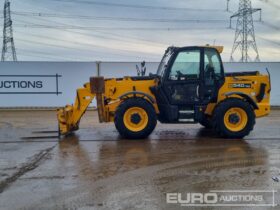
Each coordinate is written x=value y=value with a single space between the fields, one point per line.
x=265 y=39
x=272 y=4
x=126 y=19
x=270 y=41
x=72 y=27
x=93 y=46
x=138 y=6
x=114 y=28
x=26 y=54
x=40 y=54
x=104 y=35
x=271 y=25
x=47 y=44
x=134 y=40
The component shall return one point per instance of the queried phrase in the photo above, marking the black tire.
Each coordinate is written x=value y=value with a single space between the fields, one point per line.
x=139 y=103
x=219 y=123
x=206 y=122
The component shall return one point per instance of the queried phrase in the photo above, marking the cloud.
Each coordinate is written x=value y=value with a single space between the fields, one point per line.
x=134 y=45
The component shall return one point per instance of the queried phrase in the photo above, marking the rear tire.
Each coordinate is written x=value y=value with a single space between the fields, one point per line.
x=135 y=118
x=206 y=122
x=234 y=118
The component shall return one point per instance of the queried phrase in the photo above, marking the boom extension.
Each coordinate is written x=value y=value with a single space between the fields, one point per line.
x=69 y=116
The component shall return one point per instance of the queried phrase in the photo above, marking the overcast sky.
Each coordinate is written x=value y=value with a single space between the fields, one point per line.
x=110 y=40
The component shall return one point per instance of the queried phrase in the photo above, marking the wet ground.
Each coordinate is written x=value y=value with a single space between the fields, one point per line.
x=96 y=169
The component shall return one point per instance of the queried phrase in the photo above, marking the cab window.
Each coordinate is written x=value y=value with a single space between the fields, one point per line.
x=186 y=66
x=212 y=66
x=212 y=62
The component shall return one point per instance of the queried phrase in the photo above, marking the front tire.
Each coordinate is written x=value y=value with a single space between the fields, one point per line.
x=135 y=118
x=234 y=118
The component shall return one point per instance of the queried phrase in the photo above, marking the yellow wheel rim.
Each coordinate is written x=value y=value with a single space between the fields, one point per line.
x=135 y=119
x=235 y=119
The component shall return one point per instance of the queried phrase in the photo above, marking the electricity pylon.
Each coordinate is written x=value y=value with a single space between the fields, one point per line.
x=228 y=5
x=245 y=39
x=8 y=50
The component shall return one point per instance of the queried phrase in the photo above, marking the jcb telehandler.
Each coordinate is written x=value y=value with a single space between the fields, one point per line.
x=190 y=86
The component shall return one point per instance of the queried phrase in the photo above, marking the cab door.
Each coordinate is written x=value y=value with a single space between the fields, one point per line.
x=183 y=78
x=213 y=75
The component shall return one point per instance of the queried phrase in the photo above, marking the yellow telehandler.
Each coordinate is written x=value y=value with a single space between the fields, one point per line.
x=190 y=86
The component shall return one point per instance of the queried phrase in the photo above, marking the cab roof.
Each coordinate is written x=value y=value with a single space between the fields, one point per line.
x=220 y=49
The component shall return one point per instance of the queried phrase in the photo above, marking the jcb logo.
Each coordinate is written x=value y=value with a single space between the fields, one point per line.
x=240 y=85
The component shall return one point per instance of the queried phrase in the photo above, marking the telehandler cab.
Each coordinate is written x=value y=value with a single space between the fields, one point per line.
x=190 y=86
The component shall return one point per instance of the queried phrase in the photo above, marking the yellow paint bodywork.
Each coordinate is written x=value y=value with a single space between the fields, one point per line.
x=255 y=81
x=241 y=122
x=220 y=49
x=69 y=116
x=143 y=120
x=115 y=88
